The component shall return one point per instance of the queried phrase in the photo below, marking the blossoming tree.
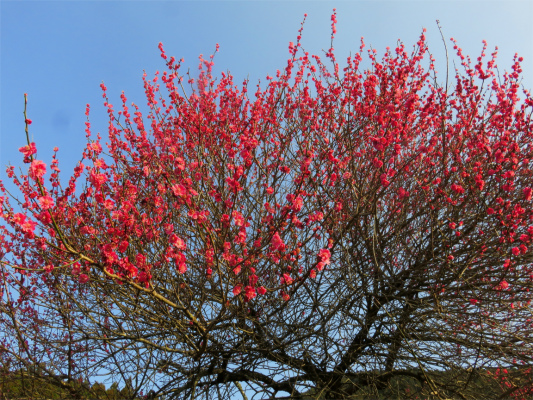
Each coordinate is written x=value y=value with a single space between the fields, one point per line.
x=337 y=234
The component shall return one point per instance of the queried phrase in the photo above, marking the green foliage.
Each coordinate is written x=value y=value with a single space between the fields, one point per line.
x=482 y=383
x=21 y=384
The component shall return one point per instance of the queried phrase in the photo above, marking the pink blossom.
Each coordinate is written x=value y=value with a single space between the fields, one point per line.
x=241 y=237
x=249 y=293
x=28 y=227
x=28 y=150
x=95 y=146
x=297 y=204
x=238 y=218
x=180 y=260
x=237 y=289
x=19 y=218
x=261 y=290
x=323 y=259
x=277 y=243
x=377 y=162
x=97 y=179
x=384 y=181
x=179 y=190
x=76 y=269
x=287 y=279
x=528 y=193
x=179 y=164
x=46 y=202
x=457 y=188
x=402 y=193
x=225 y=219
x=123 y=246
x=177 y=242
x=108 y=204
x=168 y=228
x=37 y=169
x=100 y=163
x=318 y=216
x=252 y=279
x=83 y=278
x=234 y=185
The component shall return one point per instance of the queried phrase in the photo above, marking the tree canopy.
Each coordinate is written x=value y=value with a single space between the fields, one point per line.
x=340 y=233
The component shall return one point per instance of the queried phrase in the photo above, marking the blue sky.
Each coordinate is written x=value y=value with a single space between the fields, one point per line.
x=60 y=51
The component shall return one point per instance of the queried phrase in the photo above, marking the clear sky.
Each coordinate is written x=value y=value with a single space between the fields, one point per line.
x=60 y=51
